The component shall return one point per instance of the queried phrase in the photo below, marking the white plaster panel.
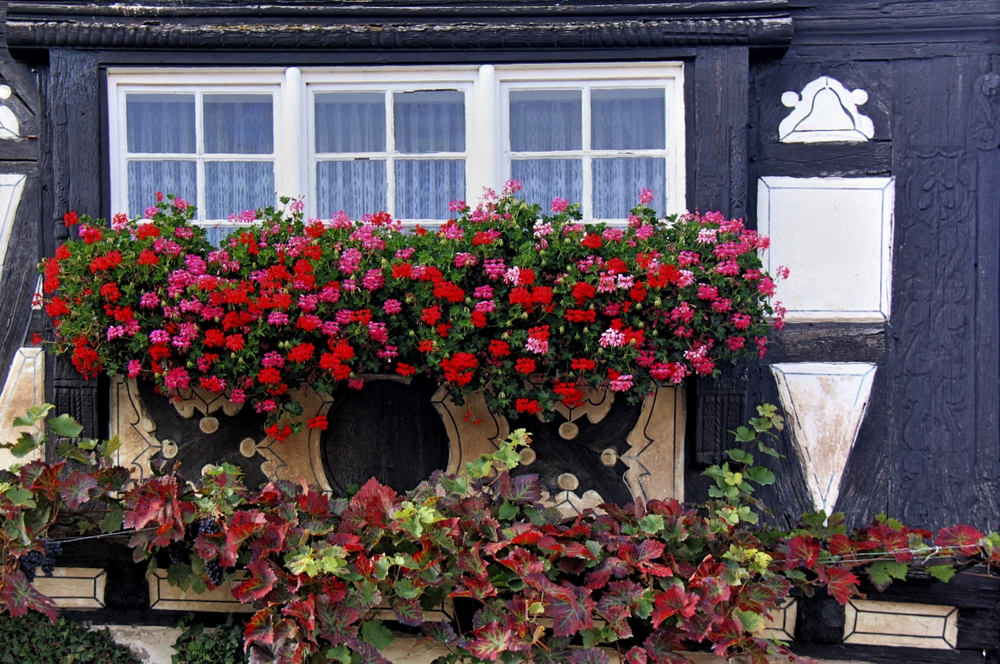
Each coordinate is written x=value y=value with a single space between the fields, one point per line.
x=835 y=236
x=74 y=587
x=824 y=404
x=895 y=624
x=24 y=388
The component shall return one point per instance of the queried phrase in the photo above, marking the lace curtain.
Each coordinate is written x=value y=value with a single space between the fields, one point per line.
x=233 y=124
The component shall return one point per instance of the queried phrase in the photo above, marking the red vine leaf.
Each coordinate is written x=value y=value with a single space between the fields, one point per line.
x=489 y=641
x=673 y=602
x=841 y=584
x=19 y=596
x=302 y=611
x=588 y=656
x=76 y=489
x=260 y=582
x=408 y=611
x=959 y=536
x=803 y=549
x=259 y=629
x=572 y=614
x=641 y=557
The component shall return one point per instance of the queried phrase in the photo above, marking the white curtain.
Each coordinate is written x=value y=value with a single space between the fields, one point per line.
x=617 y=183
x=356 y=187
x=350 y=122
x=425 y=187
x=546 y=120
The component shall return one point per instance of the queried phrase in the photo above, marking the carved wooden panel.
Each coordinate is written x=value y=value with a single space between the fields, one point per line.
x=721 y=408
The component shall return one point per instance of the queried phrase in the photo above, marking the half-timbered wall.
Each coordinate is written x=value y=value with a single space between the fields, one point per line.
x=888 y=368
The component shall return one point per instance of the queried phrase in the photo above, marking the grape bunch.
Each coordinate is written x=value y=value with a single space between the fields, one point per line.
x=209 y=527
x=213 y=570
x=177 y=552
x=31 y=561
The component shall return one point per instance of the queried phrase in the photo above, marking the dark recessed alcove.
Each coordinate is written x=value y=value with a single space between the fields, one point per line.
x=387 y=430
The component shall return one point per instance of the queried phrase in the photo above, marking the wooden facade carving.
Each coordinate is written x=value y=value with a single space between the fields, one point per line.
x=392 y=25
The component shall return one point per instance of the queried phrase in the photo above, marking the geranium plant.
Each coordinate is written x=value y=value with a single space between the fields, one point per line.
x=528 y=306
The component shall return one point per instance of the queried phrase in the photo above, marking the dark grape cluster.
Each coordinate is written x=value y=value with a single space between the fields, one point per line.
x=208 y=527
x=214 y=572
x=177 y=552
x=33 y=560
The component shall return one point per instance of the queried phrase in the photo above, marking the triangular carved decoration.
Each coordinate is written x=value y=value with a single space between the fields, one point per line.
x=825 y=112
x=825 y=404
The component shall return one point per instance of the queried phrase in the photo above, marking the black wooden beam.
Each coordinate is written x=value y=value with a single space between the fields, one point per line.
x=828 y=342
x=391 y=25
x=74 y=117
x=829 y=160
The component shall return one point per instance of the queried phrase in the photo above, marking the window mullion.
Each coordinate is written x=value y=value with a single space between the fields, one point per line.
x=287 y=153
x=199 y=149
x=390 y=157
x=588 y=180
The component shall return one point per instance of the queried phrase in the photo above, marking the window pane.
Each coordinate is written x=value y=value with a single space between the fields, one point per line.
x=234 y=186
x=350 y=122
x=239 y=124
x=546 y=120
x=216 y=234
x=628 y=119
x=617 y=183
x=356 y=187
x=160 y=123
x=429 y=121
x=544 y=179
x=145 y=178
x=424 y=188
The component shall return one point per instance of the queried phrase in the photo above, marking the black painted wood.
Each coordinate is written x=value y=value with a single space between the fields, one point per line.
x=396 y=25
x=721 y=406
x=74 y=125
x=939 y=477
x=827 y=342
x=720 y=130
x=885 y=30
x=195 y=449
x=830 y=160
x=388 y=430
x=581 y=455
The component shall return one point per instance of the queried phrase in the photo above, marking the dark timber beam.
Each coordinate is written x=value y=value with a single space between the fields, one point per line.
x=394 y=25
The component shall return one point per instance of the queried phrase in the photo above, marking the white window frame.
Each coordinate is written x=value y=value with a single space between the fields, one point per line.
x=169 y=81
x=389 y=80
x=486 y=88
x=668 y=75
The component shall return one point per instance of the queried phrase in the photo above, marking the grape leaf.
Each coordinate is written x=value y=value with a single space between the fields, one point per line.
x=941 y=572
x=489 y=641
x=76 y=489
x=377 y=634
x=64 y=426
x=958 y=536
x=882 y=572
x=20 y=596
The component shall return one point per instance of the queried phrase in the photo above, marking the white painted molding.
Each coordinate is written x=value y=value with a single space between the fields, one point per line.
x=11 y=187
x=826 y=112
x=835 y=236
x=10 y=127
x=825 y=404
